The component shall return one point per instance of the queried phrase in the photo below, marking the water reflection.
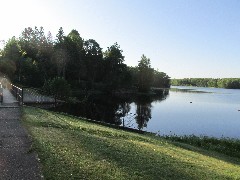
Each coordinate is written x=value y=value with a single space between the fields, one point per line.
x=187 y=90
x=143 y=111
x=116 y=110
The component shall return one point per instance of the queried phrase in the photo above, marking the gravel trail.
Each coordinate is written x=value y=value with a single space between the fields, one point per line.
x=17 y=161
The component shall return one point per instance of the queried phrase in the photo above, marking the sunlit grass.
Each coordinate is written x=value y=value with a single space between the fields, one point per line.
x=71 y=148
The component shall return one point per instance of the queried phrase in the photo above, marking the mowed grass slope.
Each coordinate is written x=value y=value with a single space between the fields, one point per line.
x=71 y=148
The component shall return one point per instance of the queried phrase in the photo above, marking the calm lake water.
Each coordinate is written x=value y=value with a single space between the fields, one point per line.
x=183 y=111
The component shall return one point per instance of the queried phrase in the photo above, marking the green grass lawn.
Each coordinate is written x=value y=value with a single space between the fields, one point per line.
x=71 y=148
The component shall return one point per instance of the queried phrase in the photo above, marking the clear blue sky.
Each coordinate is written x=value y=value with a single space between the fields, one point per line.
x=184 y=38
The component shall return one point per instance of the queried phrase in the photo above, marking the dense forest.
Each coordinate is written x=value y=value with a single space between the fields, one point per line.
x=36 y=58
x=229 y=83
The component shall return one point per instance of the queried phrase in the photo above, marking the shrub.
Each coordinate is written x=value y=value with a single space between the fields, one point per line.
x=57 y=87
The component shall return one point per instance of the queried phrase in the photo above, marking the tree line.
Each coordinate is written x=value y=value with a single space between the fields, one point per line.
x=229 y=83
x=35 y=58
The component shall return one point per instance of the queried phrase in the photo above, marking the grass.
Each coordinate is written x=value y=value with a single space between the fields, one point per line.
x=71 y=148
x=223 y=145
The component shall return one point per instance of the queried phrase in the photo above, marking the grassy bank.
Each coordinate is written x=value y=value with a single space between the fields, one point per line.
x=227 y=146
x=74 y=149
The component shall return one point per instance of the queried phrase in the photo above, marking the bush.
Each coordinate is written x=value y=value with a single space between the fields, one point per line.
x=57 y=87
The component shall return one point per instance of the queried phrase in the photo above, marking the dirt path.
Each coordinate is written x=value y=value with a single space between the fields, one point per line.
x=17 y=161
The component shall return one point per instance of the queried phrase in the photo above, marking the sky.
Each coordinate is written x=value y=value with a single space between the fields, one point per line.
x=183 y=38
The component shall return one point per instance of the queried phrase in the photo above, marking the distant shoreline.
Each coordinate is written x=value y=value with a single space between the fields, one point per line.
x=227 y=83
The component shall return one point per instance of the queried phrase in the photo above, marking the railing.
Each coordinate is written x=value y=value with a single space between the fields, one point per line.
x=33 y=96
x=36 y=96
x=17 y=92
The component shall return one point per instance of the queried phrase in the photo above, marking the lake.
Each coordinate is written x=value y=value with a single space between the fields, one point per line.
x=196 y=111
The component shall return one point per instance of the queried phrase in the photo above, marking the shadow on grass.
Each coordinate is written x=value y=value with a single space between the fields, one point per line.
x=139 y=162
x=130 y=157
x=130 y=161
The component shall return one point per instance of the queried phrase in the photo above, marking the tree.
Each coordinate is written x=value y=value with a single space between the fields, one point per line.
x=61 y=58
x=230 y=83
x=31 y=74
x=60 y=36
x=116 y=72
x=114 y=54
x=60 y=55
x=161 y=80
x=11 y=58
x=36 y=46
x=7 y=68
x=74 y=45
x=93 y=60
x=57 y=87
x=145 y=74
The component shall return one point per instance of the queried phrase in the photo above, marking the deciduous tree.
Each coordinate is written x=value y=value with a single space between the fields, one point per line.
x=145 y=74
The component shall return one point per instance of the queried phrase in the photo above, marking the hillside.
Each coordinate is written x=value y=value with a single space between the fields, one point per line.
x=71 y=148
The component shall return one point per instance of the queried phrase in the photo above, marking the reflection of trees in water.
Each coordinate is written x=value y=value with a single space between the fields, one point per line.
x=144 y=108
x=115 y=110
x=123 y=110
x=107 y=109
x=103 y=108
x=143 y=115
x=143 y=111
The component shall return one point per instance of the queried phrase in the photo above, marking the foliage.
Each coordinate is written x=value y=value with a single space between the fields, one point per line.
x=7 y=68
x=116 y=72
x=93 y=59
x=30 y=72
x=57 y=87
x=229 y=83
x=37 y=46
x=35 y=57
x=75 y=66
x=226 y=146
x=161 y=79
x=12 y=50
x=145 y=74
x=10 y=60
x=70 y=148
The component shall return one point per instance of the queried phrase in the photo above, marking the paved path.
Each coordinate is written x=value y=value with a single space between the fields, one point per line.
x=17 y=162
x=8 y=99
